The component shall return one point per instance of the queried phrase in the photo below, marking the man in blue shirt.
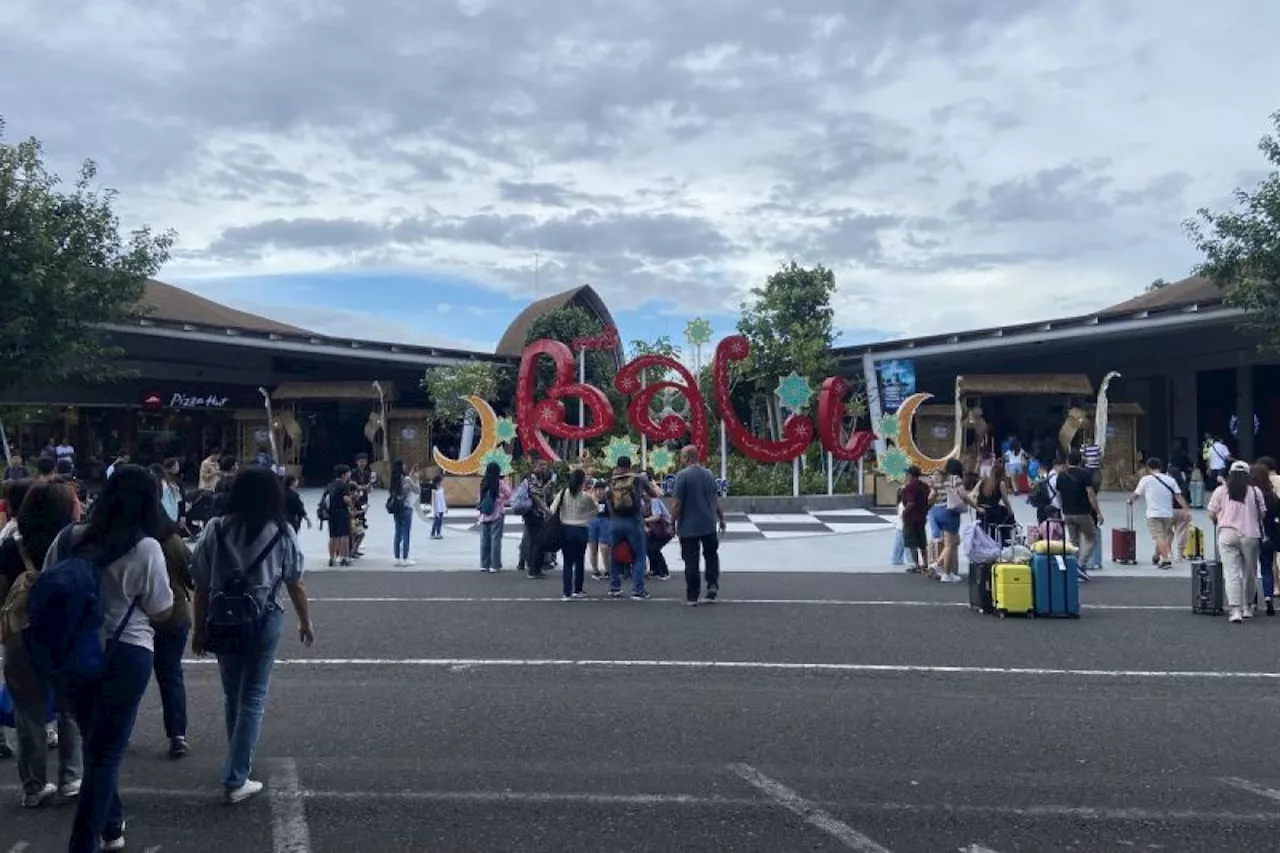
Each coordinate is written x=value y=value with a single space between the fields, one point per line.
x=699 y=517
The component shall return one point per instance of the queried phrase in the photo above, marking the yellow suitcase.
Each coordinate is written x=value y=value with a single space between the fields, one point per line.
x=1194 y=548
x=1011 y=589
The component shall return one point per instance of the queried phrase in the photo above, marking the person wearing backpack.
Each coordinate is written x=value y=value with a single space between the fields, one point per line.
x=495 y=494
x=628 y=496
x=112 y=570
x=48 y=509
x=171 y=642
x=240 y=566
x=404 y=489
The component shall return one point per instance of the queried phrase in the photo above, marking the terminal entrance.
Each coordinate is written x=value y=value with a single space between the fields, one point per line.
x=333 y=433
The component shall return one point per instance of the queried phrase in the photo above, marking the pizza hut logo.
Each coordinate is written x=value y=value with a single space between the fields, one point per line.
x=152 y=401
x=179 y=400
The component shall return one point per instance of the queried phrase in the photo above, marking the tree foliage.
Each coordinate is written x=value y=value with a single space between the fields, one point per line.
x=662 y=345
x=449 y=383
x=1156 y=285
x=1241 y=247
x=64 y=266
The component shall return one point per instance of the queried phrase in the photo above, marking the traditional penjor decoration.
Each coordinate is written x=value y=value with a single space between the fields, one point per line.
x=1100 y=415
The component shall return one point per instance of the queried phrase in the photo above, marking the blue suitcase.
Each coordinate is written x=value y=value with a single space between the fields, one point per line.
x=1055 y=583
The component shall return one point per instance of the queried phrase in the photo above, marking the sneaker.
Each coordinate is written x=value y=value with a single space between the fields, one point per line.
x=1235 y=616
x=597 y=576
x=407 y=562
x=69 y=790
x=112 y=839
x=712 y=592
x=1248 y=611
x=39 y=798
x=566 y=598
x=6 y=751
x=615 y=593
x=398 y=563
x=495 y=569
x=642 y=595
x=51 y=735
x=178 y=747
x=579 y=595
x=664 y=577
x=244 y=792
x=536 y=576
x=691 y=603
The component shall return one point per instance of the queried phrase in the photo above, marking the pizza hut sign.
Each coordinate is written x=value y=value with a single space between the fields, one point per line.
x=179 y=400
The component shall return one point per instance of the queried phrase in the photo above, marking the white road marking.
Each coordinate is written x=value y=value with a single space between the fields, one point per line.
x=289 y=830
x=155 y=849
x=779 y=666
x=1252 y=788
x=976 y=848
x=809 y=811
x=820 y=602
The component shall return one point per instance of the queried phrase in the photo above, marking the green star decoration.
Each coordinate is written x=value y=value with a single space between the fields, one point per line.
x=502 y=457
x=505 y=430
x=887 y=428
x=894 y=464
x=794 y=392
x=619 y=446
x=661 y=460
x=698 y=332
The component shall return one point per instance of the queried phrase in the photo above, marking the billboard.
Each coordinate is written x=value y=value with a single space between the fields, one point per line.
x=897 y=383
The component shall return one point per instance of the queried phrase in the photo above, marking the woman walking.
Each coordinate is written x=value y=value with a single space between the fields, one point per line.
x=576 y=508
x=1238 y=509
x=240 y=565
x=171 y=642
x=123 y=536
x=47 y=510
x=495 y=494
x=404 y=491
x=947 y=518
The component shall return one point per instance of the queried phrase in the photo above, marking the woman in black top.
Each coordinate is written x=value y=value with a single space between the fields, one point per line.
x=994 y=508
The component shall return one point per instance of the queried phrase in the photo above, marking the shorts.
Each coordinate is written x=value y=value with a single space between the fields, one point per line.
x=598 y=530
x=913 y=536
x=946 y=520
x=1161 y=529
x=339 y=526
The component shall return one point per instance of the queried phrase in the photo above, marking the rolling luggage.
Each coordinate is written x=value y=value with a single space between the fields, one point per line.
x=980 y=588
x=1011 y=590
x=1206 y=584
x=1124 y=541
x=1194 y=547
x=1055 y=581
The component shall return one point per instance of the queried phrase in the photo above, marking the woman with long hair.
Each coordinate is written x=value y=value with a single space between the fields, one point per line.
x=122 y=535
x=994 y=506
x=251 y=552
x=1238 y=508
x=1260 y=476
x=575 y=507
x=946 y=516
x=404 y=491
x=495 y=494
x=171 y=640
x=47 y=510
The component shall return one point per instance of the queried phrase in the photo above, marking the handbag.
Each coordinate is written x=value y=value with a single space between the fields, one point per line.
x=236 y=619
x=553 y=529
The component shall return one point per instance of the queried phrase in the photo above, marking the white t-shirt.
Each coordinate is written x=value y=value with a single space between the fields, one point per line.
x=140 y=574
x=1158 y=491
x=1218 y=456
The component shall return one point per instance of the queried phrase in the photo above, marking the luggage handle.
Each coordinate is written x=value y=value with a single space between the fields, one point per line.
x=1128 y=514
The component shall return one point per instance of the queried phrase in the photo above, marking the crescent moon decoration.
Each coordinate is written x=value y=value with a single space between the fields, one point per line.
x=905 y=440
x=487 y=441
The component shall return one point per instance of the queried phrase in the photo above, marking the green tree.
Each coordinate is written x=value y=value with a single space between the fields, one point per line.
x=1156 y=285
x=63 y=267
x=791 y=326
x=449 y=383
x=566 y=325
x=659 y=346
x=1242 y=247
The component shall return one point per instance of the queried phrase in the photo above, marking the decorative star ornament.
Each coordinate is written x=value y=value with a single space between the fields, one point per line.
x=894 y=464
x=794 y=392
x=698 y=332
x=661 y=460
x=504 y=430
x=886 y=429
x=619 y=446
x=502 y=457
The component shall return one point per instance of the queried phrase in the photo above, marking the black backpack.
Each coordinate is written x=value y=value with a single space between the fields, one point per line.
x=1042 y=495
x=235 y=619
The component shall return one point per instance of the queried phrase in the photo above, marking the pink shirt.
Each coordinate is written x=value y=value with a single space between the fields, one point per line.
x=500 y=505
x=1244 y=517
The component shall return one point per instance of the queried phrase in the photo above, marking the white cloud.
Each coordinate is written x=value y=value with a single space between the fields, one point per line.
x=957 y=164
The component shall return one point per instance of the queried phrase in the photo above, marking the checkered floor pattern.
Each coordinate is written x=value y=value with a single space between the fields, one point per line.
x=743 y=526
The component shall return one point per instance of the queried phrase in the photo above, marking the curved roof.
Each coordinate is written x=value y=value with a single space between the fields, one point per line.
x=584 y=297
x=175 y=305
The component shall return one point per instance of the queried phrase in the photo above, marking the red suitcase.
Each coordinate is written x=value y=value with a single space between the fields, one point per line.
x=1124 y=541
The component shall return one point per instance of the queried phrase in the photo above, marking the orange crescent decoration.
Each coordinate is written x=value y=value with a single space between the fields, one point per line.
x=487 y=441
x=907 y=443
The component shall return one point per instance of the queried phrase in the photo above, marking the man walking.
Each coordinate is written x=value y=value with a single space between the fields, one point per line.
x=698 y=516
x=1162 y=494
x=1080 y=511
x=1218 y=460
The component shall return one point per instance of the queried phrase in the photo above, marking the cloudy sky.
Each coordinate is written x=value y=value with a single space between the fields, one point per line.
x=390 y=168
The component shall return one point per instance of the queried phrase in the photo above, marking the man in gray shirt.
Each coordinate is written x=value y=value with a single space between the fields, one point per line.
x=696 y=509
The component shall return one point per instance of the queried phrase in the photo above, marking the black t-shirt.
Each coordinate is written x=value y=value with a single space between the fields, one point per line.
x=1073 y=486
x=338 y=491
x=11 y=564
x=294 y=509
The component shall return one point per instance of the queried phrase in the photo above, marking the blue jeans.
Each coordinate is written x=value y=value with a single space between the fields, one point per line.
x=245 y=679
x=631 y=530
x=1267 y=560
x=437 y=523
x=404 y=524
x=573 y=542
x=170 y=644
x=106 y=710
x=491 y=542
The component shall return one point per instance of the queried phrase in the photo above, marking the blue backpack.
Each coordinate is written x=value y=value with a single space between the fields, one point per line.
x=63 y=637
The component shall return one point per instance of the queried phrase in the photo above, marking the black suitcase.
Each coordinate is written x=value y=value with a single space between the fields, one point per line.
x=980 y=587
x=1206 y=583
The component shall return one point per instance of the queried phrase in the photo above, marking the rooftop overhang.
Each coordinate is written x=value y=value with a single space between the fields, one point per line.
x=348 y=350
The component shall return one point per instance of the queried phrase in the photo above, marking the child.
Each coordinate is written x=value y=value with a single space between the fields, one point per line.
x=657 y=528
x=294 y=509
x=439 y=507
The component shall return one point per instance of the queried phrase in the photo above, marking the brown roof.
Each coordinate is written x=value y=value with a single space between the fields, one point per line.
x=514 y=339
x=176 y=305
x=1178 y=294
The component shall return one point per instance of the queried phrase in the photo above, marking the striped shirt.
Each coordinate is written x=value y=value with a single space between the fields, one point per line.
x=1092 y=454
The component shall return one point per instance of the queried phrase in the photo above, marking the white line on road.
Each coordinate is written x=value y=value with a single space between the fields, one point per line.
x=976 y=848
x=1252 y=788
x=821 y=602
x=155 y=849
x=779 y=666
x=289 y=830
x=809 y=811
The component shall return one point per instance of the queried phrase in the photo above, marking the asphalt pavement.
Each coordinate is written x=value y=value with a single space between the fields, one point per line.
x=450 y=711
